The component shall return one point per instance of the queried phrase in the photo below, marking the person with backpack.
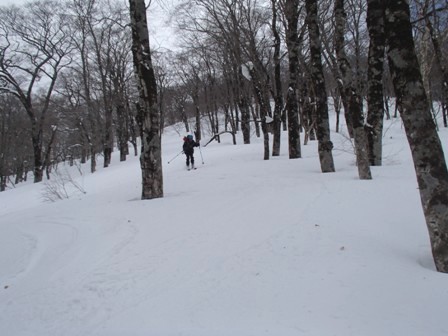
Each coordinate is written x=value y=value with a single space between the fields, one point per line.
x=188 y=148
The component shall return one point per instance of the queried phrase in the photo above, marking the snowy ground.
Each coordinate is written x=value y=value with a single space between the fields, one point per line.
x=238 y=247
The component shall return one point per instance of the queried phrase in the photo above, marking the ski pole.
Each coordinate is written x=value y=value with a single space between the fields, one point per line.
x=175 y=157
x=200 y=151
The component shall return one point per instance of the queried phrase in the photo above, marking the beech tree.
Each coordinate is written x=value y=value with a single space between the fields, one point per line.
x=323 y=127
x=354 y=100
x=107 y=36
x=165 y=76
x=426 y=148
x=291 y=11
x=254 y=77
x=429 y=13
x=223 y=24
x=327 y=35
x=257 y=50
x=277 y=92
x=35 y=45
x=15 y=151
x=375 y=70
x=149 y=114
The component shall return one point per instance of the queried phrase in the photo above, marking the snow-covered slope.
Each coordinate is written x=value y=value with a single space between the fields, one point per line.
x=240 y=246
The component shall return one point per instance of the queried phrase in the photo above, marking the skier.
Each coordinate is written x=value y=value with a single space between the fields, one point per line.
x=188 y=148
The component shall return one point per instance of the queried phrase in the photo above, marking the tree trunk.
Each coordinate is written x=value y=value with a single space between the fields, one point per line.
x=2 y=183
x=426 y=148
x=292 y=17
x=122 y=129
x=108 y=138
x=350 y=88
x=317 y=74
x=198 y=133
x=337 y=107
x=151 y=153
x=375 y=100
x=386 y=107
x=438 y=57
x=47 y=159
x=278 y=94
x=36 y=138
x=263 y=108
x=243 y=104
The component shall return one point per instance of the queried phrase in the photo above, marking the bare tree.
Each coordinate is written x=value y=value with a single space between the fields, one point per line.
x=189 y=67
x=151 y=153
x=221 y=24
x=35 y=44
x=88 y=117
x=429 y=12
x=101 y=31
x=278 y=91
x=426 y=148
x=120 y=74
x=323 y=126
x=258 y=51
x=375 y=100
x=165 y=77
x=15 y=150
x=351 y=93
x=254 y=76
x=291 y=10
x=357 y=41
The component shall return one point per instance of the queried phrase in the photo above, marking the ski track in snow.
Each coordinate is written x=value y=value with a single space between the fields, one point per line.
x=104 y=281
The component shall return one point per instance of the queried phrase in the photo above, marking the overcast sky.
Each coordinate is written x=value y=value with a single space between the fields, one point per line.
x=10 y=2
x=161 y=35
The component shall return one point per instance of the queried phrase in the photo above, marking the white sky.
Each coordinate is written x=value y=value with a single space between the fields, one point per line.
x=162 y=36
x=10 y=2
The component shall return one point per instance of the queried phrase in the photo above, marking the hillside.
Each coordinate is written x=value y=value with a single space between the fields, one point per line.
x=238 y=247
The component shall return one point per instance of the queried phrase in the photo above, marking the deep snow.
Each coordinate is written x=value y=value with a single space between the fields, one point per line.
x=238 y=247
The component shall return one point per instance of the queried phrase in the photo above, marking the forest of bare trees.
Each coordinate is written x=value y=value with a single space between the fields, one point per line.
x=70 y=88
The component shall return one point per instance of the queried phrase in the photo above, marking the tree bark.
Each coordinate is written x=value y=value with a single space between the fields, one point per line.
x=438 y=57
x=353 y=99
x=426 y=148
x=317 y=75
x=103 y=70
x=151 y=153
x=256 y=82
x=375 y=94
x=278 y=94
x=292 y=17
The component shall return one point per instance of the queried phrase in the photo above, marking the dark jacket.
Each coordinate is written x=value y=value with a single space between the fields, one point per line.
x=189 y=145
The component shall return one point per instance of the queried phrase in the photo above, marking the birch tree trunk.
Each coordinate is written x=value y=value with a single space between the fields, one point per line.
x=317 y=74
x=353 y=99
x=375 y=100
x=151 y=152
x=426 y=148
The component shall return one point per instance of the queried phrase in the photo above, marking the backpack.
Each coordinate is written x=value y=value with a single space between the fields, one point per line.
x=188 y=146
